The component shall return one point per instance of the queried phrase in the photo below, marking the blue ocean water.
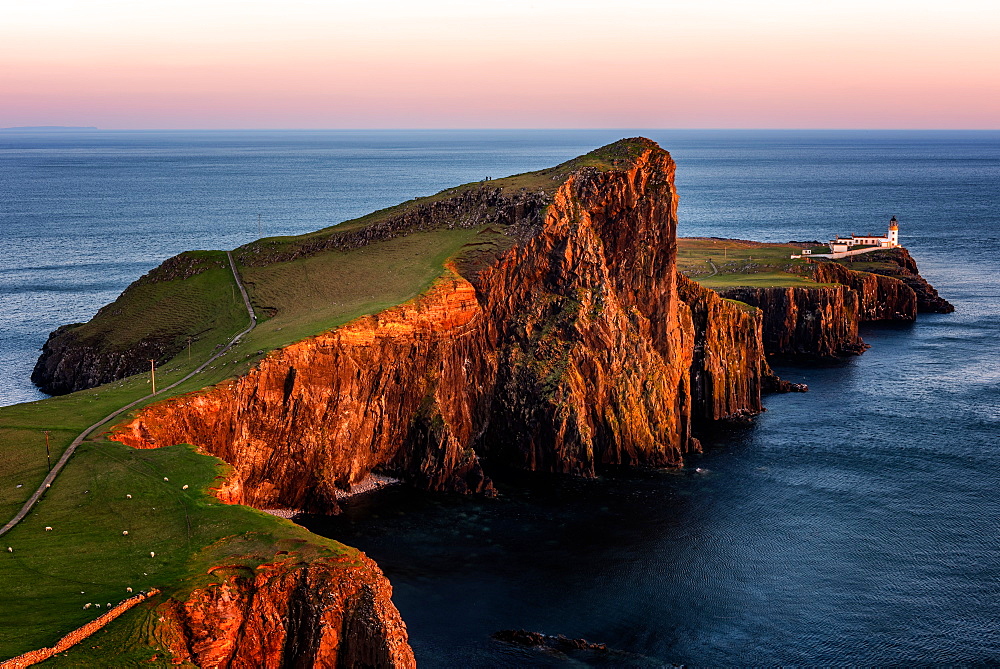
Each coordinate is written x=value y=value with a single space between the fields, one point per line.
x=856 y=524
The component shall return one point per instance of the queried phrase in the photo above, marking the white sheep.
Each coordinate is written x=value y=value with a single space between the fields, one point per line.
x=48 y=529
x=184 y=488
x=86 y=606
x=124 y=533
x=165 y=478
x=128 y=589
x=97 y=605
x=152 y=554
x=128 y=496
x=9 y=549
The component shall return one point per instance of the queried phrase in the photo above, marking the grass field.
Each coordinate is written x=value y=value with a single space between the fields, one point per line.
x=742 y=263
x=51 y=575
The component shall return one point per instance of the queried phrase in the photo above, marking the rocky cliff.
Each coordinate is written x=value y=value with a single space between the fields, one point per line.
x=121 y=339
x=817 y=322
x=728 y=369
x=566 y=351
x=286 y=613
x=880 y=298
x=899 y=264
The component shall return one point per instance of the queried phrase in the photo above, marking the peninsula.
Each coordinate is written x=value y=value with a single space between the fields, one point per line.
x=549 y=321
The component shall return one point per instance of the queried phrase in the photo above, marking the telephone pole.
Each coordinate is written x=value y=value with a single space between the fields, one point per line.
x=48 y=453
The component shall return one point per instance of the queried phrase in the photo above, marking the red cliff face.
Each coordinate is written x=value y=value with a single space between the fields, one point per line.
x=729 y=370
x=807 y=322
x=880 y=298
x=568 y=351
x=288 y=614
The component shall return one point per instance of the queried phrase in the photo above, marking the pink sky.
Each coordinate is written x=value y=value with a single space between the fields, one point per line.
x=521 y=63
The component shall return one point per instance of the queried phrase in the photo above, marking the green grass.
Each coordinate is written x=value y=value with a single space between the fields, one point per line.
x=311 y=295
x=742 y=263
x=86 y=551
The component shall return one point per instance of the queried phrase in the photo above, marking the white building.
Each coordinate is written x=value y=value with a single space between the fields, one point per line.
x=886 y=241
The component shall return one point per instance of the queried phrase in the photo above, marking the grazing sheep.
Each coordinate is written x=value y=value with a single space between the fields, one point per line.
x=184 y=488
x=97 y=605
x=165 y=478
x=128 y=496
x=125 y=533
x=87 y=605
x=19 y=485
x=152 y=554
x=9 y=549
x=128 y=589
x=48 y=529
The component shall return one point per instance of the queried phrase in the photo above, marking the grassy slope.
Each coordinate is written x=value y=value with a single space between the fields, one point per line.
x=86 y=551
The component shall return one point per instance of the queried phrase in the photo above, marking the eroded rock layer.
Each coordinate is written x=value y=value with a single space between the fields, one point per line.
x=324 y=613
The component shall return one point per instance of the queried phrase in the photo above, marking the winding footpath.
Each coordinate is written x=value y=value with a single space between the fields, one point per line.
x=86 y=433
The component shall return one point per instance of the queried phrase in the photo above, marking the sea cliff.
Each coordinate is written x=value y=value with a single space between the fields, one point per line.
x=568 y=350
x=287 y=613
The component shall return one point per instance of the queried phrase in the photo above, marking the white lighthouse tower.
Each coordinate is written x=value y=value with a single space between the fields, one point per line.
x=893 y=236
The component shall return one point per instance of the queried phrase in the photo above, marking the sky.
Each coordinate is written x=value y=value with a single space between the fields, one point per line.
x=503 y=64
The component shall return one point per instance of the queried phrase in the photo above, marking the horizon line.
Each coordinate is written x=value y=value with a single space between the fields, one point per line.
x=79 y=128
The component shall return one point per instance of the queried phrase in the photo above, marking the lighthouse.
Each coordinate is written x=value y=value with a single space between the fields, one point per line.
x=893 y=236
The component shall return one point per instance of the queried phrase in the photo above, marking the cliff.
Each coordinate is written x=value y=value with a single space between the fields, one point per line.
x=125 y=335
x=287 y=613
x=899 y=264
x=819 y=322
x=728 y=369
x=563 y=349
x=880 y=298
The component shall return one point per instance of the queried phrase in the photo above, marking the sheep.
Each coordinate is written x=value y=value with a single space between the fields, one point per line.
x=128 y=496
x=19 y=485
x=86 y=606
x=97 y=605
x=9 y=549
x=48 y=529
x=184 y=488
x=124 y=533
x=165 y=478
x=128 y=589
x=152 y=554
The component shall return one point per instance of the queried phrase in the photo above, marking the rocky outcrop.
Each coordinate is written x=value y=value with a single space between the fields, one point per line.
x=899 y=264
x=324 y=613
x=85 y=355
x=817 y=322
x=569 y=351
x=71 y=361
x=728 y=369
x=880 y=298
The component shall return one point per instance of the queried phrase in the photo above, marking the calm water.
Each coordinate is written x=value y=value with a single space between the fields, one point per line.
x=854 y=524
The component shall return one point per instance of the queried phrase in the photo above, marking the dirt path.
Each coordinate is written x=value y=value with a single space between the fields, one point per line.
x=86 y=433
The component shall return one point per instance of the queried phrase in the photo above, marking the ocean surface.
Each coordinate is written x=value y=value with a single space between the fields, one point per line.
x=858 y=523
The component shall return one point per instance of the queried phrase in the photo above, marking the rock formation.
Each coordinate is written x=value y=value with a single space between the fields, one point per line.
x=568 y=351
x=324 y=613
x=899 y=264
x=817 y=322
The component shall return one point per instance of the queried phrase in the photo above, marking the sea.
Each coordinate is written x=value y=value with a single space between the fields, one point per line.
x=856 y=524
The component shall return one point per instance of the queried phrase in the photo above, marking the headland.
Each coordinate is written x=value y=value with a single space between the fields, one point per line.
x=550 y=322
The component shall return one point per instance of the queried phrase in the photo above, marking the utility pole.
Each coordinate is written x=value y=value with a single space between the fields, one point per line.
x=152 y=374
x=48 y=453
